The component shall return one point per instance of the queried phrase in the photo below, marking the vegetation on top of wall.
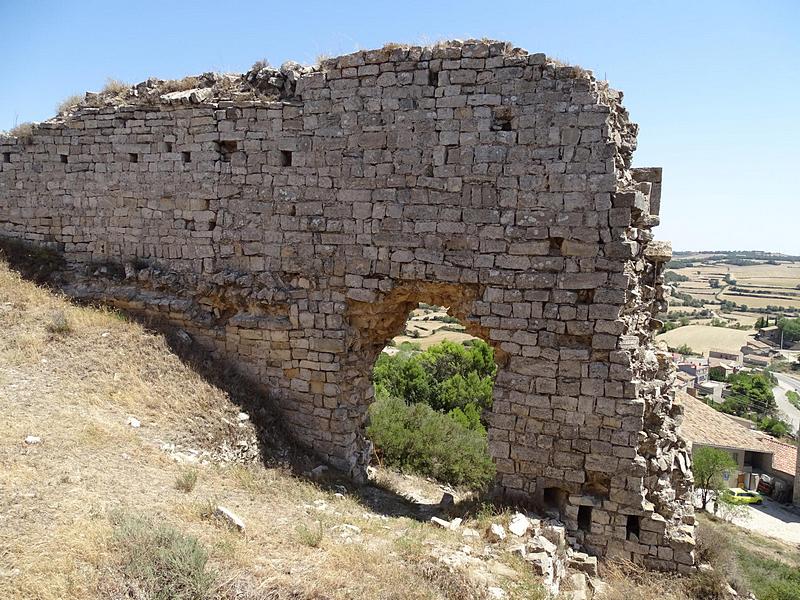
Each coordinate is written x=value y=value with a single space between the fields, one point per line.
x=23 y=132
x=68 y=103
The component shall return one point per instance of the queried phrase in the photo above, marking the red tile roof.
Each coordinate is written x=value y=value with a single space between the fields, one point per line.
x=784 y=456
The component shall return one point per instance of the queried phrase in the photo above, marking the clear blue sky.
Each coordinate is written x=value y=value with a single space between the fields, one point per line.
x=714 y=85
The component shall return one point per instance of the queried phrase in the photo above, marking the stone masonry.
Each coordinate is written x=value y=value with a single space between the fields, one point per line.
x=290 y=218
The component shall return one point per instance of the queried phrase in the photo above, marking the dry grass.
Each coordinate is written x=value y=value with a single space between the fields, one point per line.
x=628 y=582
x=115 y=87
x=68 y=103
x=180 y=85
x=23 y=132
x=186 y=481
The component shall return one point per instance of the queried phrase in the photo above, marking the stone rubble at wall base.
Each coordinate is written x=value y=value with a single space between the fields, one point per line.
x=292 y=229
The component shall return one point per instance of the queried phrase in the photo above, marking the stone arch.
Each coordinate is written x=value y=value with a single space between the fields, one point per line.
x=373 y=324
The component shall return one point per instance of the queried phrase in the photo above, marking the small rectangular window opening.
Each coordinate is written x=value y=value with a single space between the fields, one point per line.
x=169 y=146
x=585 y=518
x=226 y=148
x=64 y=158
x=286 y=158
x=6 y=157
x=186 y=157
x=632 y=528
x=134 y=158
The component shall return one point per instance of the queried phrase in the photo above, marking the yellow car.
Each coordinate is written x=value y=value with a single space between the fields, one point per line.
x=740 y=496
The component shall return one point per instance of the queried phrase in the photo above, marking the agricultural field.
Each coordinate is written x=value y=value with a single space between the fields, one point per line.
x=729 y=290
x=701 y=338
x=757 y=284
x=430 y=325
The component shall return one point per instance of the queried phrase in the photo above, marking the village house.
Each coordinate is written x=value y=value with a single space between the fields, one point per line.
x=762 y=461
x=696 y=367
x=754 y=360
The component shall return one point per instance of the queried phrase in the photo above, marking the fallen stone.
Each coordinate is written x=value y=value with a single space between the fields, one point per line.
x=519 y=524
x=440 y=522
x=134 y=422
x=584 y=563
x=658 y=251
x=542 y=563
x=32 y=440
x=496 y=592
x=230 y=517
x=578 y=589
x=242 y=416
x=540 y=543
x=496 y=533
x=469 y=532
x=599 y=587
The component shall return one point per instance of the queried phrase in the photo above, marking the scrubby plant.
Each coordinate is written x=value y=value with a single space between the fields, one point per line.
x=69 y=102
x=115 y=86
x=446 y=376
x=158 y=562
x=310 y=536
x=180 y=85
x=58 y=324
x=186 y=481
x=23 y=132
x=418 y=439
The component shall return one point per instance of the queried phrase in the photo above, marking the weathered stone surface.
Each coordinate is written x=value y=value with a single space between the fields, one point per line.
x=288 y=221
x=230 y=517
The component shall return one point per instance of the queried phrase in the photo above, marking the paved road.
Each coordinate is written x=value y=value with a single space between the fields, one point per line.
x=786 y=383
x=770 y=519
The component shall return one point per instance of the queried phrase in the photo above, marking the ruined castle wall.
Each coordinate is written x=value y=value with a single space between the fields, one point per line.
x=293 y=236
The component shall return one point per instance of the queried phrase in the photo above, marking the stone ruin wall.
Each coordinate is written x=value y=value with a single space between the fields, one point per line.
x=293 y=229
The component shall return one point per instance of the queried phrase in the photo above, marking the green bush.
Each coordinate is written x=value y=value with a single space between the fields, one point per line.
x=158 y=562
x=446 y=376
x=417 y=438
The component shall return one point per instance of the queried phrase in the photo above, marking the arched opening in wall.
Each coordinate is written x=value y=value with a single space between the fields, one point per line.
x=433 y=385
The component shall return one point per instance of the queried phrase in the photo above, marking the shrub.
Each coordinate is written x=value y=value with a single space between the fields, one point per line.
x=68 y=103
x=158 y=562
x=417 y=438
x=115 y=86
x=23 y=132
x=186 y=481
x=310 y=536
x=446 y=376
x=58 y=324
